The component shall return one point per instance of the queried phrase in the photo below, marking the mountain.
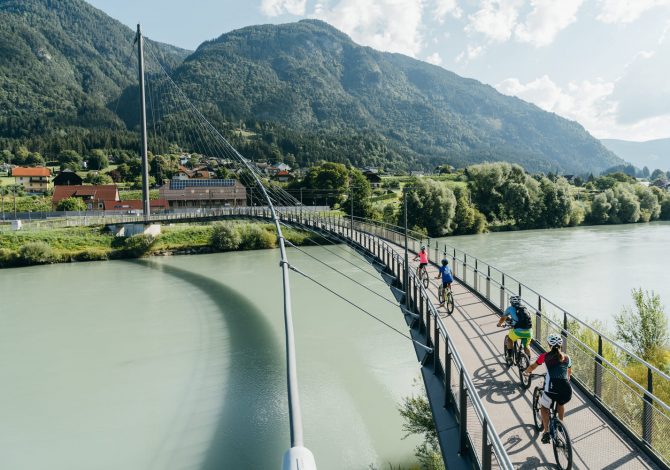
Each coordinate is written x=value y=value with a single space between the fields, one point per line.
x=312 y=79
x=63 y=64
x=653 y=153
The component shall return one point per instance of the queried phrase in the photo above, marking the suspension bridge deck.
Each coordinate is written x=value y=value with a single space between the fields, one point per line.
x=597 y=442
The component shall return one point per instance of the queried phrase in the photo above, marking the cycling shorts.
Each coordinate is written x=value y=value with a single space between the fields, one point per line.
x=524 y=335
x=446 y=284
x=559 y=390
x=423 y=265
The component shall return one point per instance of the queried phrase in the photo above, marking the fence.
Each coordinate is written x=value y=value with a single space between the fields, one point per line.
x=641 y=413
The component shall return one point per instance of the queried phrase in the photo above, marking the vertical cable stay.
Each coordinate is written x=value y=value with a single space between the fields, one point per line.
x=298 y=456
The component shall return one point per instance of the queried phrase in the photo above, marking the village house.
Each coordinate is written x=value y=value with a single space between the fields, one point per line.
x=373 y=178
x=67 y=177
x=182 y=193
x=277 y=167
x=33 y=180
x=283 y=176
x=94 y=196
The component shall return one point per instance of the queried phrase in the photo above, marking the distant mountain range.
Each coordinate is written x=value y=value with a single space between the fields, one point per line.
x=306 y=88
x=653 y=153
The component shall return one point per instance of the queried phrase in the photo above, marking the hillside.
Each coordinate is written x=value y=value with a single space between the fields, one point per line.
x=313 y=79
x=653 y=153
x=63 y=64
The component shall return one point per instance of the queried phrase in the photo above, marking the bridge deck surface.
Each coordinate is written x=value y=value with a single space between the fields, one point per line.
x=597 y=442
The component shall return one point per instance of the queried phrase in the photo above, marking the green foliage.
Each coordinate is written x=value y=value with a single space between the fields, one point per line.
x=97 y=160
x=419 y=420
x=71 y=204
x=467 y=219
x=136 y=246
x=8 y=258
x=645 y=329
x=256 y=238
x=37 y=253
x=225 y=238
x=431 y=205
x=94 y=177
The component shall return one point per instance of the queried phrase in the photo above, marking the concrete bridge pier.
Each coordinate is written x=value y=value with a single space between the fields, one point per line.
x=135 y=228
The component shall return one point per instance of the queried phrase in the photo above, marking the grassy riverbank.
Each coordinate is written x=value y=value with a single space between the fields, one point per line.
x=62 y=245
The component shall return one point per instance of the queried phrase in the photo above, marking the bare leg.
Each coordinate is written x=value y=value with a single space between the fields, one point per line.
x=561 y=411
x=545 y=418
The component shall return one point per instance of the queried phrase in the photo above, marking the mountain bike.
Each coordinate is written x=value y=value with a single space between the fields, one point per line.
x=449 y=301
x=560 y=439
x=518 y=357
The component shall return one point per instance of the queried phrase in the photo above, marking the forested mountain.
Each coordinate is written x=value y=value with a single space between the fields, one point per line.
x=63 y=64
x=313 y=79
x=305 y=91
x=654 y=154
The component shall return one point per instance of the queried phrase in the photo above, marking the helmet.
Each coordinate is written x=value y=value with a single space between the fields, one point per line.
x=515 y=300
x=554 y=339
x=445 y=262
x=423 y=247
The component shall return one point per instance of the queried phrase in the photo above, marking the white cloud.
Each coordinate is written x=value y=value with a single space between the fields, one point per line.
x=387 y=25
x=495 y=19
x=279 y=7
x=546 y=20
x=471 y=53
x=591 y=103
x=434 y=58
x=626 y=11
x=447 y=7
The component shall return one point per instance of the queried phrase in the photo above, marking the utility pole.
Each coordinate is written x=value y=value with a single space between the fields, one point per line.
x=143 y=118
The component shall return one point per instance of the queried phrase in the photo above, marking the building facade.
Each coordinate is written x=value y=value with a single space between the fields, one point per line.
x=33 y=180
x=204 y=193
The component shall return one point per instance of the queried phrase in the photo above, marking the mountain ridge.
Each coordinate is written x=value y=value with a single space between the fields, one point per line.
x=654 y=154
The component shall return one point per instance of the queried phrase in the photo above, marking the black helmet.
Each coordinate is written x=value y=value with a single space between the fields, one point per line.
x=445 y=262
x=515 y=300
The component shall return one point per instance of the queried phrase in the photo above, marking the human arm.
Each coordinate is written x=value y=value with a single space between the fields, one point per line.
x=502 y=320
x=531 y=368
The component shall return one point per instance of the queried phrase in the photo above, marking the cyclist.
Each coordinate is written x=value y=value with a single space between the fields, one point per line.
x=522 y=324
x=557 y=381
x=423 y=260
x=447 y=277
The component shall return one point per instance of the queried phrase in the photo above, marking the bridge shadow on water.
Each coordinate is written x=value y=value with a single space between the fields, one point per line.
x=251 y=430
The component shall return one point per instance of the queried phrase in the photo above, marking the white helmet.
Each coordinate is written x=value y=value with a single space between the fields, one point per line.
x=555 y=339
x=423 y=247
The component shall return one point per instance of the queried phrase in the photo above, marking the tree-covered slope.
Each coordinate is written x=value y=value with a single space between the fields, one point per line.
x=312 y=79
x=62 y=62
x=653 y=153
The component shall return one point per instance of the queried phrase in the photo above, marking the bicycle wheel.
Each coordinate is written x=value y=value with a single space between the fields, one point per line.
x=450 y=303
x=523 y=365
x=440 y=295
x=424 y=278
x=562 y=446
x=537 y=413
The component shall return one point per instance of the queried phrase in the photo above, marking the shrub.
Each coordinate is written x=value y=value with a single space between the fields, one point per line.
x=37 y=253
x=8 y=258
x=256 y=238
x=225 y=238
x=137 y=245
x=91 y=254
x=71 y=204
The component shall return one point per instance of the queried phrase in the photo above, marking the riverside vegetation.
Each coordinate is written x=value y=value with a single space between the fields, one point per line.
x=25 y=248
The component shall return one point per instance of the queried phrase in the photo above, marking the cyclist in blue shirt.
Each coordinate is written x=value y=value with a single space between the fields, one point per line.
x=447 y=277
x=522 y=324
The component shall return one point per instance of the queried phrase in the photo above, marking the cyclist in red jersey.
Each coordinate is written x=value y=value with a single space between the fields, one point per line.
x=423 y=259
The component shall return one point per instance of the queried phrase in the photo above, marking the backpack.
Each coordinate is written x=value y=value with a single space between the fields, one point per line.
x=524 y=321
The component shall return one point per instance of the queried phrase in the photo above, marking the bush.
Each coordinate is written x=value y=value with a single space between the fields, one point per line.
x=225 y=238
x=8 y=258
x=91 y=254
x=137 y=245
x=71 y=204
x=256 y=238
x=37 y=253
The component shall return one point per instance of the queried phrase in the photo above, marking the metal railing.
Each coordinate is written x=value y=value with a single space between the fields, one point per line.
x=477 y=435
x=642 y=414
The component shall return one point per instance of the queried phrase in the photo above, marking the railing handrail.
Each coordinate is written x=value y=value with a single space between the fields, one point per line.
x=572 y=317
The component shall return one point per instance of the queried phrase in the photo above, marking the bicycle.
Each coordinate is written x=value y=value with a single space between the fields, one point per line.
x=518 y=358
x=449 y=300
x=423 y=276
x=560 y=439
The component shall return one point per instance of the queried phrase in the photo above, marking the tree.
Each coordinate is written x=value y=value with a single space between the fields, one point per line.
x=646 y=329
x=656 y=174
x=69 y=159
x=72 y=204
x=557 y=202
x=650 y=209
x=361 y=191
x=93 y=177
x=628 y=207
x=324 y=183
x=35 y=159
x=467 y=219
x=600 y=207
x=431 y=206
x=419 y=420
x=97 y=160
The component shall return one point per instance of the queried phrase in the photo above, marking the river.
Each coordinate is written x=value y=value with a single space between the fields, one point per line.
x=589 y=271
x=178 y=362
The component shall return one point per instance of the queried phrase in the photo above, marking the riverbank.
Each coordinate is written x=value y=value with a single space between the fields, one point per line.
x=73 y=244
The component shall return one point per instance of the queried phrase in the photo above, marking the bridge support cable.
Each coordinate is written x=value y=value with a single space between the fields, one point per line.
x=298 y=456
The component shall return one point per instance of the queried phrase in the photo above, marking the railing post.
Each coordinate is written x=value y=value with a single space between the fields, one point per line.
x=474 y=282
x=486 y=447
x=415 y=294
x=538 y=321
x=436 y=348
x=463 y=415
x=564 y=333
x=447 y=373
x=647 y=416
x=421 y=304
x=488 y=283
x=465 y=269
x=598 y=377
x=502 y=293
x=428 y=316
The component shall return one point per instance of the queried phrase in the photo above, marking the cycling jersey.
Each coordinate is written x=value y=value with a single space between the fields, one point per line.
x=446 y=274
x=556 y=384
x=423 y=257
x=556 y=369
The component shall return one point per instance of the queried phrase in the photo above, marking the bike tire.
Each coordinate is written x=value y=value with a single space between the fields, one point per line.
x=424 y=278
x=523 y=363
x=440 y=295
x=562 y=446
x=450 y=303
x=537 y=413
x=509 y=360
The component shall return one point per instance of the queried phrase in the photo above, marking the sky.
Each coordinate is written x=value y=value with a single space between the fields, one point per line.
x=603 y=63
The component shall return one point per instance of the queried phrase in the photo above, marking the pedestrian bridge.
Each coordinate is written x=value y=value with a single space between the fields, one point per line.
x=482 y=414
